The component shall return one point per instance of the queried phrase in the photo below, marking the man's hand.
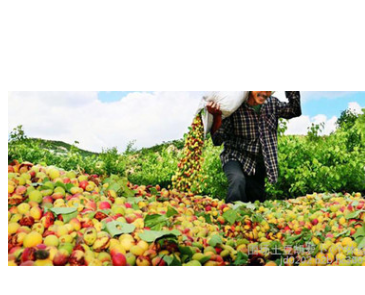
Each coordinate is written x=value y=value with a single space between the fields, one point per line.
x=214 y=109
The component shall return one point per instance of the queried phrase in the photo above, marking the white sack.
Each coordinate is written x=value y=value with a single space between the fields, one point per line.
x=229 y=102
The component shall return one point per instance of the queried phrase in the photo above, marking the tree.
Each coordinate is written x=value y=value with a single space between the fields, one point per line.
x=17 y=134
x=347 y=119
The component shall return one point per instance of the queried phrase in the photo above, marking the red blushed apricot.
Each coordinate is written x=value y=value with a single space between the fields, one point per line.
x=76 y=224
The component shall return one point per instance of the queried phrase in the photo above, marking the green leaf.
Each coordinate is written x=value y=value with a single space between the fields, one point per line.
x=91 y=214
x=205 y=259
x=69 y=186
x=103 y=225
x=171 y=212
x=354 y=215
x=172 y=261
x=170 y=240
x=361 y=244
x=231 y=216
x=343 y=233
x=207 y=217
x=114 y=186
x=127 y=192
x=238 y=204
x=155 y=221
x=306 y=236
x=119 y=185
x=168 y=260
x=197 y=245
x=116 y=228
x=257 y=218
x=241 y=259
x=154 y=191
x=327 y=228
x=106 y=211
x=250 y=206
x=152 y=199
x=326 y=197
x=279 y=262
x=61 y=184
x=359 y=233
x=67 y=217
x=186 y=251
x=355 y=203
x=44 y=187
x=151 y=235
x=63 y=210
x=291 y=239
x=316 y=250
x=215 y=240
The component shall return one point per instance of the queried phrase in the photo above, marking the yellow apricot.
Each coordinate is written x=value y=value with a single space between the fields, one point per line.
x=32 y=239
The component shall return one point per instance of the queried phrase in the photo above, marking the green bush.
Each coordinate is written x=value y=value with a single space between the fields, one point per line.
x=151 y=168
x=321 y=163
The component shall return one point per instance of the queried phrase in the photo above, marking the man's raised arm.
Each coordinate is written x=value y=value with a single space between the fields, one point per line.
x=290 y=109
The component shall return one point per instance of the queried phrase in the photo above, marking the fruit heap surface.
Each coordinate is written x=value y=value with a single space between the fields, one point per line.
x=188 y=176
x=58 y=217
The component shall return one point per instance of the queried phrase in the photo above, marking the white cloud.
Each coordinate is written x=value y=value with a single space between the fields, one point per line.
x=69 y=116
x=330 y=126
x=298 y=125
x=355 y=107
x=301 y=124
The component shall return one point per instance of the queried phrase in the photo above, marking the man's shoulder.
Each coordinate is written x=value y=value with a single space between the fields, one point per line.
x=272 y=100
x=271 y=104
x=242 y=108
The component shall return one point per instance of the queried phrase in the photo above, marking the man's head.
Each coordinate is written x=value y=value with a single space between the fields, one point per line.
x=259 y=97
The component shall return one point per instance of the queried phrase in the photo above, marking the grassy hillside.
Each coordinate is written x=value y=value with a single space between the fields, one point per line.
x=59 y=147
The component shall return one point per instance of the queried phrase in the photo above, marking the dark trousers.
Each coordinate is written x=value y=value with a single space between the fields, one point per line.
x=243 y=187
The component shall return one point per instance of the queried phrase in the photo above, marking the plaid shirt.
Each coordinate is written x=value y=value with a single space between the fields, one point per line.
x=246 y=134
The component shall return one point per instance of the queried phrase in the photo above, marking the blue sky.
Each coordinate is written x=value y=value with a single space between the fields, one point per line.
x=331 y=106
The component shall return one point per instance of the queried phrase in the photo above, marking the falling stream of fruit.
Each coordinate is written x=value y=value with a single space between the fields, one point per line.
x=188 y=175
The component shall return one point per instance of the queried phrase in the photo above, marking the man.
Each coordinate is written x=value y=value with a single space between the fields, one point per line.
x=250 y=142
